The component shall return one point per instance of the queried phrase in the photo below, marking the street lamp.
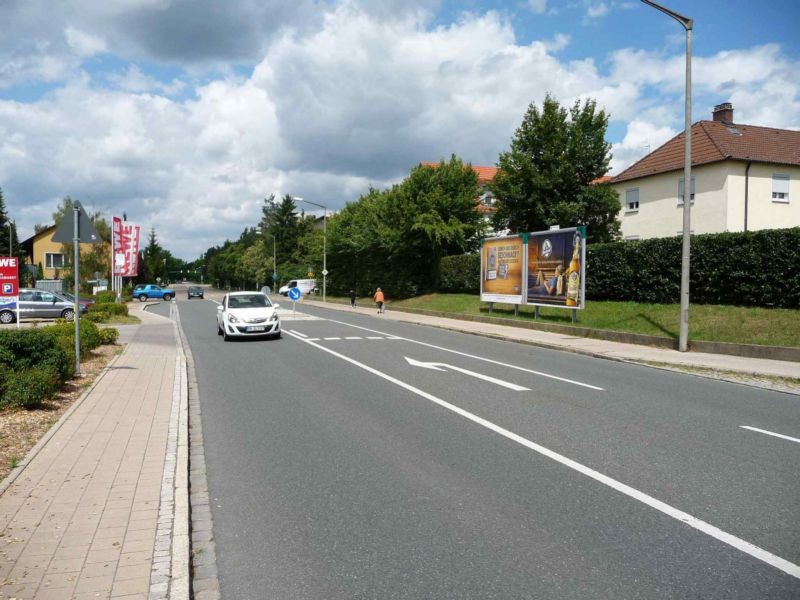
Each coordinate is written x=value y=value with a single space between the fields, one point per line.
x=324 y=243
x=687 y=23
x=10 y=238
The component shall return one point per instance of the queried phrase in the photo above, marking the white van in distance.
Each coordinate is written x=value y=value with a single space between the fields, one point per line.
x=306 y=286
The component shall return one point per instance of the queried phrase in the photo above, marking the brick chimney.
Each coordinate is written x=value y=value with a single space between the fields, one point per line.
x=723 y=112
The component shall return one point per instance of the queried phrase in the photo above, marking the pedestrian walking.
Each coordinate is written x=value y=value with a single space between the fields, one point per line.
x=379 y=300
x=352 y=298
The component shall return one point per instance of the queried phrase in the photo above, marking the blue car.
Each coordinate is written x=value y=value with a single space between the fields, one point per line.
x=150 y=291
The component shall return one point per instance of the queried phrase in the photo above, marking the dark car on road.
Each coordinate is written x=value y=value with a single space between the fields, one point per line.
x=194 y=291
x=87 y=302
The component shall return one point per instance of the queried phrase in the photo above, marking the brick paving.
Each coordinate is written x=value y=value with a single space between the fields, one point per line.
x=81 y=520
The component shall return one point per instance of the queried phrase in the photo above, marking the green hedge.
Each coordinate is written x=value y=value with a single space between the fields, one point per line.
x=105 y=297
x=759 y=268
x=460 y=274
x=100 y=313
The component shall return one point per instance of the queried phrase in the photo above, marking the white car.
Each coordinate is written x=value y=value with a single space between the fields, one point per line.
x=248 y=314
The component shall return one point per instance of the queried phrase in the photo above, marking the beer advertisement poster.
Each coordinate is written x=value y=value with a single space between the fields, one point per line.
x=501 y=270
x=556 y=268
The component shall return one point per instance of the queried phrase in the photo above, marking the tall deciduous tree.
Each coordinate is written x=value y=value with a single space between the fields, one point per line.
x=545 y=178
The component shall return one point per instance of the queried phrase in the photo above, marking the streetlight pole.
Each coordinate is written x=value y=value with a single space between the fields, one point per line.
x=324 y=244
x=688 y=24
x=10 y=250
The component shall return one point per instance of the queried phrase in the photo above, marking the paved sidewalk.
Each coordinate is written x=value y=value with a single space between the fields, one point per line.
x=589 y=346
x=91 y=515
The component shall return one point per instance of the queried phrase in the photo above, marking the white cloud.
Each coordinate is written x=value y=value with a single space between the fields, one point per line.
x=538 y=7
x=640 y=139
x=597 y=10
x=84 y=44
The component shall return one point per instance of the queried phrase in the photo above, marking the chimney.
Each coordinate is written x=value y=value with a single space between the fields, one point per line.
x=723 y=112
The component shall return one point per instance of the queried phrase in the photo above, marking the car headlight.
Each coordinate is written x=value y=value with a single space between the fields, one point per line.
x=232 y=318
x=274 y=317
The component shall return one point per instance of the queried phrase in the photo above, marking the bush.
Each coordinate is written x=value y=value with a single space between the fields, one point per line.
x=28 y=348
x=758 y=268
x=90 y=335
x=105 y=297
x=109 y=335
x=460 y=273
x=28 y=388
x=100 y=313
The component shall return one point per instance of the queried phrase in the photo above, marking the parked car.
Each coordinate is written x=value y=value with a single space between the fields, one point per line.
x=194 y=291
x=248 y=314
x=149 y=291
x=87 y=302
x=306 y=286
x=39 y=304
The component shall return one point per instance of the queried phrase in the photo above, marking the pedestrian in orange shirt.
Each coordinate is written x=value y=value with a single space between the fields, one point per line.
x=379 y=300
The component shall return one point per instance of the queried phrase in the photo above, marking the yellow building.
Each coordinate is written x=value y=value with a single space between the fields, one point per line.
x=744 y=178
x=40 y=249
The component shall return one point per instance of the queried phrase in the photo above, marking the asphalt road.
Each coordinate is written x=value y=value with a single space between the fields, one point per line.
x=341 y=465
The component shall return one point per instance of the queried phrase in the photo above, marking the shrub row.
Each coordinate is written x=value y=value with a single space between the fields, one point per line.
x=35 y=361
x=100 y=313
x=759 y=268
x=110 y=296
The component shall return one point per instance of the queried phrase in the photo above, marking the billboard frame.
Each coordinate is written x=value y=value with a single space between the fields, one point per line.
x=582 y=292
x=505 y=298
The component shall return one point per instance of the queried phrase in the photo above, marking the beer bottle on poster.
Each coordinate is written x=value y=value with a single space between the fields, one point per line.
x=574 y=273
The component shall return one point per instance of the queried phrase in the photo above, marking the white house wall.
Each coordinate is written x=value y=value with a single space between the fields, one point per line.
x=763 y=212
x=719 y=201
x=660 y=214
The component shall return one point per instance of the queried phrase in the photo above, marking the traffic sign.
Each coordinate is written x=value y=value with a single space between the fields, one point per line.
x=295 y=294
x=9 y=275
x=325 y=272
x=87 y=234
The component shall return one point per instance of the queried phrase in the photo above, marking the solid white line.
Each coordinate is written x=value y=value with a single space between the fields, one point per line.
x=489 y=360
x=744 y=546
x=445 y=366
x=772 y=433
x=298 y=333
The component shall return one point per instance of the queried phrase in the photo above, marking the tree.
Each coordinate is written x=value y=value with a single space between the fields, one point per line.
x=154 y=258
x=545 y=178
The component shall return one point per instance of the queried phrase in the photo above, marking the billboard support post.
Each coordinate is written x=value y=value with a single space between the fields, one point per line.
x=516 y=310
x=574 y=316
x=536 y=312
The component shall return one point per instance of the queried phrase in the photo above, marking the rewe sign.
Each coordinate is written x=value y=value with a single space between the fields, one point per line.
x=9 y=276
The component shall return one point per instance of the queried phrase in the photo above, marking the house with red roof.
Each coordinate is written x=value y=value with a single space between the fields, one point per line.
x=744 y=178
x=485 y=203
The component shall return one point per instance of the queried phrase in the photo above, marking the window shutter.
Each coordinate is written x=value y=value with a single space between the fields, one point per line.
x=780 y=184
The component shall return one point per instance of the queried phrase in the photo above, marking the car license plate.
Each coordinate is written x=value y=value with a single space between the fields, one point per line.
x=256 y=328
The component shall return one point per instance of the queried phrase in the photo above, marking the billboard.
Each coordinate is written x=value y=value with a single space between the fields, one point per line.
x=125 y=248
x=9 y=276
x=556 y=265
x=502 y=269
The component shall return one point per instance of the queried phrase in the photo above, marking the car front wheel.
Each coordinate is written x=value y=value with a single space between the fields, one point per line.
x=6 y=317
x=68 y=314
x=167 y=297
x=142 y=297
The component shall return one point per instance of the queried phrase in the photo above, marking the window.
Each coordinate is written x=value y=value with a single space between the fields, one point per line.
x=53 y=260
x=780 y=187
x=680 y=191
x=487 y=199
x=632 y=200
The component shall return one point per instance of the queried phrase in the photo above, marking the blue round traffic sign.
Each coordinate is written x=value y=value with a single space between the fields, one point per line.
x=295 y=294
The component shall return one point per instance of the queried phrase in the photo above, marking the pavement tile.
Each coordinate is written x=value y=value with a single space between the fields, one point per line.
x=63 y=581
x=99 y=569
x=65 y=565
x=130 y=587
x=103 y=583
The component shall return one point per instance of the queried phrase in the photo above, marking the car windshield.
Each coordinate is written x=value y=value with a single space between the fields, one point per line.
x=249 y=301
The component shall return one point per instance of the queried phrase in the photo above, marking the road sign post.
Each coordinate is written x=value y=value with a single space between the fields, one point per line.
x=294 y=295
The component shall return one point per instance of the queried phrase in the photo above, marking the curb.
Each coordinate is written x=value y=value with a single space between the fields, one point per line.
x=33 y=452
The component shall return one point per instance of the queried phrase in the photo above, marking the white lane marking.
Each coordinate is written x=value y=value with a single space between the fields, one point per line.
x=726 y=538
x=298 y=333
x=489 y=360
x=312 y=339
x=442 y=367
x=332 y=338
x=777 y=435
x=356 y=337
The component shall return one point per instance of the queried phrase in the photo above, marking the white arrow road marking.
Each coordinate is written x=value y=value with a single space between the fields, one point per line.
x=691 y=521
x=772 y=433
x=443 y=367
x=484 y=359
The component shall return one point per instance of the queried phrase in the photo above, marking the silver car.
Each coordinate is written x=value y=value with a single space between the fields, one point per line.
x=41 y=304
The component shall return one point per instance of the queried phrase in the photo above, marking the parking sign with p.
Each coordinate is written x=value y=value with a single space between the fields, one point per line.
x=9 y=276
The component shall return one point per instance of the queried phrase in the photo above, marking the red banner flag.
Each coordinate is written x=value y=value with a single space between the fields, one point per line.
x=125 y=248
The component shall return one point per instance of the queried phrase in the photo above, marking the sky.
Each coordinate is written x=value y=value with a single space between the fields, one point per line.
x=186 y=114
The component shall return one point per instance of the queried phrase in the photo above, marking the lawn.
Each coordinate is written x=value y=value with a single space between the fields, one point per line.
x=769 y=326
